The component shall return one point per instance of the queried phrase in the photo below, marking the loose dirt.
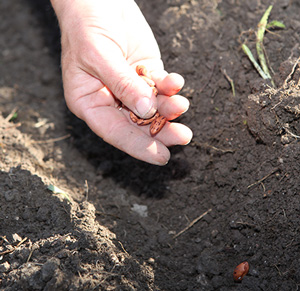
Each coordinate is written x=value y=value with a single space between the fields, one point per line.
x=231 y=195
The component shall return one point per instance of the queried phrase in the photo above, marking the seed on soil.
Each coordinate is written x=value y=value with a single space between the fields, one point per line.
x=240 y=271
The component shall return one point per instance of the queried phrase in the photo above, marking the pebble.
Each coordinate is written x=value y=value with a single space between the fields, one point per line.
x=151 y=261
x=4 y=267
x=142 y=210
x=202 y=280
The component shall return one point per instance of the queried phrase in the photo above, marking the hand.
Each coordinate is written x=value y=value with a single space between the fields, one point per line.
x=102 y=43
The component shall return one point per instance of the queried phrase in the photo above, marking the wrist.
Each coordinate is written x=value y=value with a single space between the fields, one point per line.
x=70 y=15
x=67 y=11
x=59 y=8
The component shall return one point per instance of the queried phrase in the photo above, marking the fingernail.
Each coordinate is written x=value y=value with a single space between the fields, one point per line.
x=143 y=107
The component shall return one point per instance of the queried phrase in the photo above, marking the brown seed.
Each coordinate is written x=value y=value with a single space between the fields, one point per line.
x=240 y=271
x=157 y=125
x=155 y=91
x=148 y=81
x=157 y=121
x=147 y=121
x=142 y=71
x=133 y=117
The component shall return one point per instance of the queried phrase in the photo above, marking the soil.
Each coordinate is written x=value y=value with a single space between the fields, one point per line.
x=231 y=195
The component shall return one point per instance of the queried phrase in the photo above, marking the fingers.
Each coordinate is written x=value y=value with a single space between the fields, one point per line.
x=167 y=84
x=172 y=107
x=113 y=126
x=172 y=134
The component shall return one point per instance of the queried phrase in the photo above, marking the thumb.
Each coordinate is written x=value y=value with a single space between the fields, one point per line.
x=123 y=81
x=133 y=91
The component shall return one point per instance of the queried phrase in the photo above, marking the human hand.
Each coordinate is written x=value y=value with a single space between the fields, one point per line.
x=102 y=43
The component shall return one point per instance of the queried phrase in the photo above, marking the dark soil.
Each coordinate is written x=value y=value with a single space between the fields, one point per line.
x=114 y=228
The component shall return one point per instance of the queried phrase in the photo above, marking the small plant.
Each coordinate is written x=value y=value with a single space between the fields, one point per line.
x=262 y=68
x=57 y=190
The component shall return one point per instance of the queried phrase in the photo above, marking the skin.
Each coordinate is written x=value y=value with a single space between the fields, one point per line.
x=102 y=43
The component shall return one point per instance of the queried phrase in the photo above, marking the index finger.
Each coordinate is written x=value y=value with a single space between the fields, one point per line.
x=167 y=84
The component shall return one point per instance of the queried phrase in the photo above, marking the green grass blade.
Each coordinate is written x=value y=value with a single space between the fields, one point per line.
x=254 y=62
x=259 y=41
x=275 y=24
x=57 y=190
